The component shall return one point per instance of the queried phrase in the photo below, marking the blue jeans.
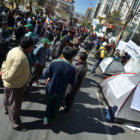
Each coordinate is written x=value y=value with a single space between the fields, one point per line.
x=99 y=60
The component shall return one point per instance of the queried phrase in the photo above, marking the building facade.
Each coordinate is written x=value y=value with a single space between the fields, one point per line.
x=88 y=15
x=105 y=6
x=65 y=7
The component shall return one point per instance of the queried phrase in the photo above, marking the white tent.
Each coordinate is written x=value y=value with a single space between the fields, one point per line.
x=111 y=66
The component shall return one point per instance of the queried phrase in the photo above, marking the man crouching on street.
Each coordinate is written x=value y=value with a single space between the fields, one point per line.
x=15 y=75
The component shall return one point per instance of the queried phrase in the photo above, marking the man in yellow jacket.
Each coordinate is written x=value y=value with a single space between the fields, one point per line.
x=101 y=55
x=15 y=74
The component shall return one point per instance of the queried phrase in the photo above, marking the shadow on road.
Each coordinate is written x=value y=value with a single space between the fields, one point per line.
x=80 y=119
x=92 y=59
x=36 y=98
x=90 y=83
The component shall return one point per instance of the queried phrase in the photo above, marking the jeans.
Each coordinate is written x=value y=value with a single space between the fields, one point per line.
x=99 y=60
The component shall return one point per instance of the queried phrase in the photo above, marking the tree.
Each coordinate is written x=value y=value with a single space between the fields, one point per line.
x=41 y=2
x=114 y=17
x=1 y=2
x=17 y=2
x=85 y=23
x=75 y=20
x=132 y=12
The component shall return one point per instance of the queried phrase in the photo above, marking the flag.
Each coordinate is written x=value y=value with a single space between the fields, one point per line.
x=47 y=21
x=68 y=22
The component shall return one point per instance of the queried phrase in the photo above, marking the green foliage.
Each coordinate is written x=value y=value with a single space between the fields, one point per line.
x=85 y=23
x=113 y=17
x=41 y=2
x=17 y=2
x=75 y=20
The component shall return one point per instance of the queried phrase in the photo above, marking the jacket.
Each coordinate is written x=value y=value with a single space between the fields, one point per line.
x=61 y=73
x=41 y=54
x=81 y=72
x=102 y=51
x=15 y=69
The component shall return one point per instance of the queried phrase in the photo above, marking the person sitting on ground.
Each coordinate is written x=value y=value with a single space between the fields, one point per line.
x=73 y=90
x=125 y=57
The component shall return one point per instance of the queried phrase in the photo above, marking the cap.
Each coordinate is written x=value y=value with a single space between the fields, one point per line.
x=45 y=40
x=104 y=44
x=30 y=26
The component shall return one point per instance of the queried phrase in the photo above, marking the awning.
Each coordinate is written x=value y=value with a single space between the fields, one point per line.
x=110 y=26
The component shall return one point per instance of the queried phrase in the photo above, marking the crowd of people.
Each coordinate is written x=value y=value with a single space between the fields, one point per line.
x=23 y=64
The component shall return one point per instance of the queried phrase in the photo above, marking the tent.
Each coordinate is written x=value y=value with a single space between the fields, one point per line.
x=111 y=66
x=132 y=66
x=122 y=94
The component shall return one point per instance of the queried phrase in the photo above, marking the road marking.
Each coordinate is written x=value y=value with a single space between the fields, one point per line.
x=108 y=134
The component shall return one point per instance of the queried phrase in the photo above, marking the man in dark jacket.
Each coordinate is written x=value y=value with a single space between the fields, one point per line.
x=58 y=48
x=4 y=32
x=81 y=72
x=49 y=34
x=61 y=73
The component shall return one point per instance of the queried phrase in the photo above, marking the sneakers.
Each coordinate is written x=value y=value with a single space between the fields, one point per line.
x=45 y=121
x=20 y=128
x=38 y=83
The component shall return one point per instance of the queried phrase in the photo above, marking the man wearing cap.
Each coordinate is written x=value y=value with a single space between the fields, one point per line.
x=42 y=53
x=31 y=56
x=30 y=33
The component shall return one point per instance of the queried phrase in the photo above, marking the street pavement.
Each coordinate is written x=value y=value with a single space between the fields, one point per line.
x=86 y=121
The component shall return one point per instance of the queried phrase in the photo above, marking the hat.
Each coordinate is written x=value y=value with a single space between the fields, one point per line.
x=30 y=26
x=104 y=44
x=45 y=40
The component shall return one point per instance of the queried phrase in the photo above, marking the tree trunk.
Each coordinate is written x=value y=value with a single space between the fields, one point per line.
x=17 y=5
x=1 y=2
x=120 y=35
x=12 y=4
x=30 y=7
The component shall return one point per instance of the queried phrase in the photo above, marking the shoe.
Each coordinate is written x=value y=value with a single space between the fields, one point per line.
x=45 y=121
x=20 y=128
x=38 y=83
x=6 y=113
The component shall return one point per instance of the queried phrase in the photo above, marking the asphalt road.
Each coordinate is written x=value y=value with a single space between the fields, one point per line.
x=86 y=121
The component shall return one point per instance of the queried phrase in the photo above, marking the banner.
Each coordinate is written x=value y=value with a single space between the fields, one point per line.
x=121 y=45
x=132 y=49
